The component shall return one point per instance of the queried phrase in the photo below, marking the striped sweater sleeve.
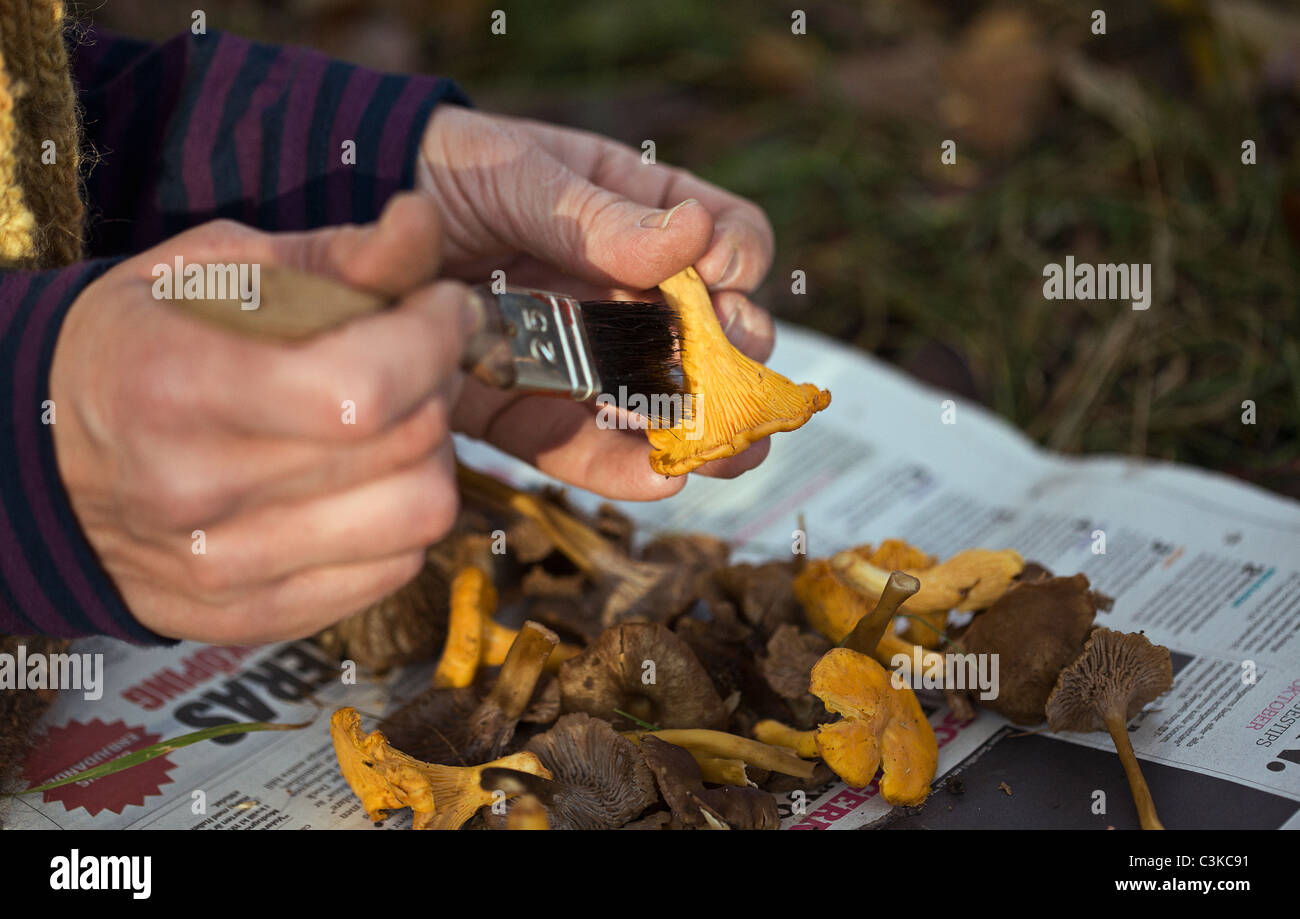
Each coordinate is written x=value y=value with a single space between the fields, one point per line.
x=213 y=125
x=196 y=128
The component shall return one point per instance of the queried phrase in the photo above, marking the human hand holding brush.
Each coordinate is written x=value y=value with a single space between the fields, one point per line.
x=568 y=210
x=304 y=518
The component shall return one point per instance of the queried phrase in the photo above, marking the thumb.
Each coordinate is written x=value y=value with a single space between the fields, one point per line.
x=397 y=253
x=597 y=234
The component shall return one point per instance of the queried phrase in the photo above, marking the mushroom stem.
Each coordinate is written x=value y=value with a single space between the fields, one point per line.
x=731 y=746
x=859 y=573
x=1137 y=784
x=804 y=743
x=632 y=581
x=891 y=644
x=583 y=546
x=522 y=669
x=871 y=628
x=471 y=592
x=527 y=814
x=492 y=724
x=719 y=771
x=498 y=639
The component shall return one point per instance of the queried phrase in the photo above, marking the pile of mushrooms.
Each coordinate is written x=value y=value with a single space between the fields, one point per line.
x=579 y=683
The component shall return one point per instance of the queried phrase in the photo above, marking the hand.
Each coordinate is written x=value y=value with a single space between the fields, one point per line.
x=167 y=426
x=566 y=210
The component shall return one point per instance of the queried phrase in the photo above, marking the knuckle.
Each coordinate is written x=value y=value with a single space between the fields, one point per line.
x=432 y=511
x=361 y=401
x=210 y=578
x=180 y=501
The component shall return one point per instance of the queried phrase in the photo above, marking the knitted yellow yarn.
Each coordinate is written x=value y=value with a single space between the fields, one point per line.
x=40 y=227
x=40 y=201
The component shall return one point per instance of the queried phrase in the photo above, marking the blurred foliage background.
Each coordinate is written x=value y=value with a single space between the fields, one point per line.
x=1122 y=147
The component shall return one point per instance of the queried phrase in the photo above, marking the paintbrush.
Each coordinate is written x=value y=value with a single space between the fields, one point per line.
x=531 y=340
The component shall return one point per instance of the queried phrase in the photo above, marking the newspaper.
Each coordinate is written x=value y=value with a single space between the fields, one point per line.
x=1207 y=566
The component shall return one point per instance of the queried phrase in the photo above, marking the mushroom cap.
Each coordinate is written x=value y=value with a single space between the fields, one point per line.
x=612 y=674
x=832 y=606
x=433 y=725
x=677 y=774
x=600 y=779
x=405 y=627
x=1117 y=674
x=763 y=593
x=385 y=778
x=1036 y=628
x=882 y=725
x=736 y=400
x=791 y=656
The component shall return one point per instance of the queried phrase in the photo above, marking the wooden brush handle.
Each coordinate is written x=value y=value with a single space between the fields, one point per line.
x=295 y=305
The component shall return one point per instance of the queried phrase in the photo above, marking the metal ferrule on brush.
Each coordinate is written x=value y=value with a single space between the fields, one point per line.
x=549 y=343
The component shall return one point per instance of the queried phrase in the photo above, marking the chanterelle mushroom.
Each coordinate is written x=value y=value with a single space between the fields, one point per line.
x=832 y=605
x=600 y=782
x=736 y=401
x=645 y=670
x=969 y=580
x=882 y=726
x=441 y=797
x=1117 y=674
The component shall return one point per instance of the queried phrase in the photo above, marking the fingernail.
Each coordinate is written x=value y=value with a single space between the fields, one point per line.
x=731 y=320
x=488 y=355
x=474 y=313
x=658 y=220
x=729 y=273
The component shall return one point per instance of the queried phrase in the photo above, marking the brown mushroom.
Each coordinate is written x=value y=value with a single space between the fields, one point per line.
x=682 y=786
x=1115 y=676
x=459 y=724
x=405 y=627
x=632 y=589
x=789 y=661
x=645 y=670
x=600 y=781
x=764 y=594
x=1036 y=629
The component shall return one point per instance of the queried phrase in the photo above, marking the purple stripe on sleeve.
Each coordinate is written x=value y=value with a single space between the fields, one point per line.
x=36 y=482
x=292 y=181
x=356 y=97
x=205 y=121
x=14 y=570
x=248 y=130
x=394 y=142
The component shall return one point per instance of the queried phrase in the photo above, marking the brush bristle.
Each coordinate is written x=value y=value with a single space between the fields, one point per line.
x=636 y=345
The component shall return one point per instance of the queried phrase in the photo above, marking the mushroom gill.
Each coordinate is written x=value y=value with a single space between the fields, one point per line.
x=735 y=400
x=1117 y=674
